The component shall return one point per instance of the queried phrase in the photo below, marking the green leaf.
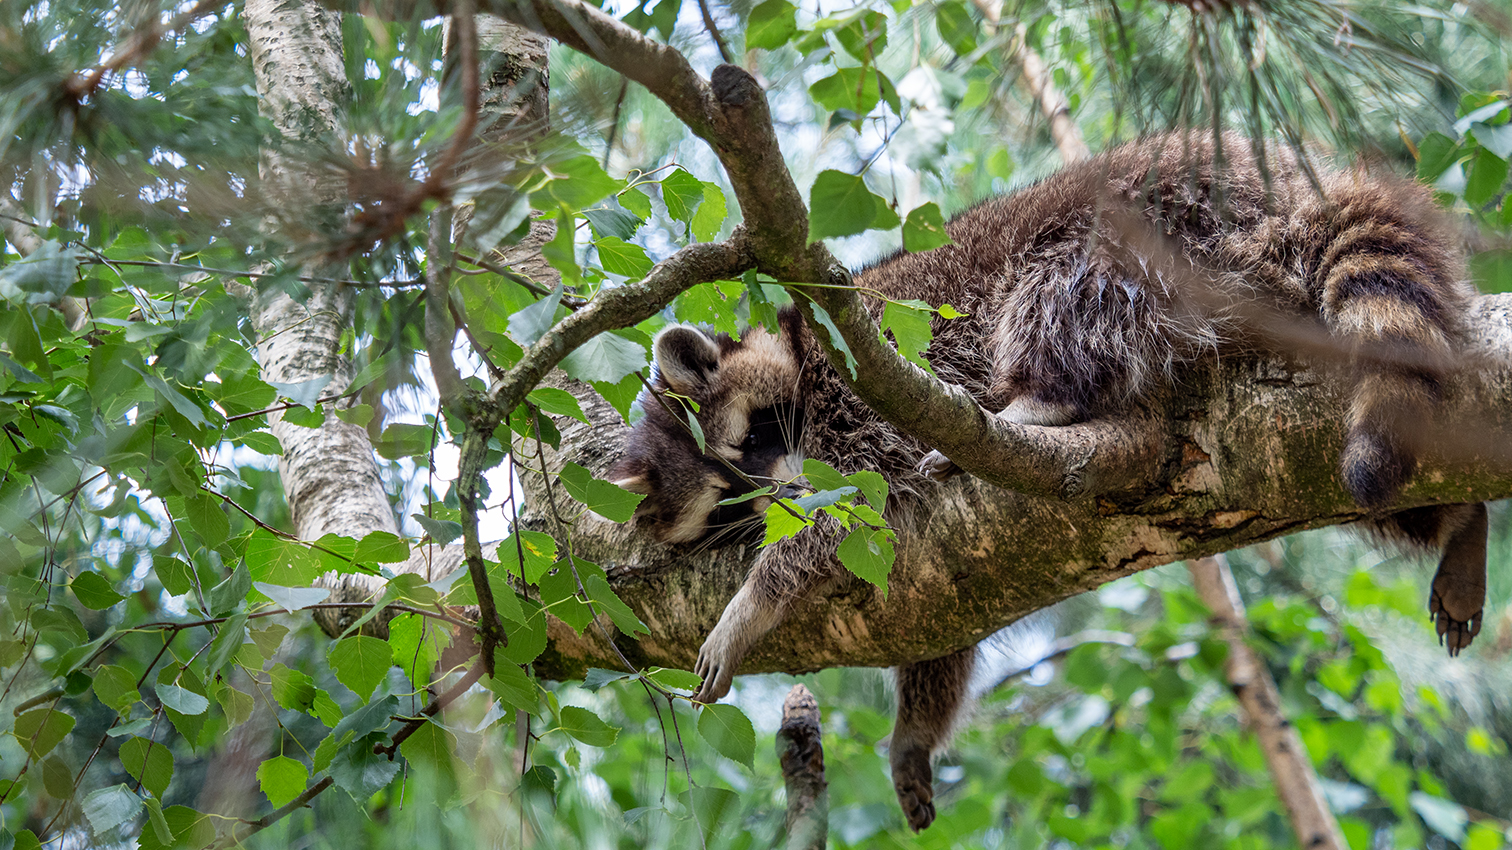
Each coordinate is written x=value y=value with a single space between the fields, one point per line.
x=110 y=807
x=512 y=685
x=853 y=90
x=605 y=600
x=637 y=202
x=176 y=575
x=677 y=680
x=94 y=591
x=373 y=717
x=431 y=745
x=41 y=729
x=559 y=402
x=924 y=229
x=841 y=205
x=598 y=677
x=822 y=316
x=292 y=599
x=228 y=641
x=149 y=763
x=361 y=772
x=910 y=327
x=613 y=222
x=537 y=549
x=227 y=595
x=236 y=704
x=182 y=700
x=292 y=689
x=269 y=639
x=361 y=663
x=607 y=357
x=868 y=553
x=530 y=323
x=623 y=258
x=1487 y=174
x=1436 y=152
x=781 y=524
x=42 y=276
x=956 y=27
x=115 y=687
x=729 y=732
x=385 y=547
x=771 y=25
x=578 y=183
x=442 y=531
x=586 y=726
x=872 y=485
x=607 y=500
x=823 y=476
x=681 y=192
x=207 y=518
x=282 y=779
x=710 y=217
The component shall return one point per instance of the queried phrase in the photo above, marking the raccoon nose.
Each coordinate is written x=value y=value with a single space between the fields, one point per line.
x=788 y=491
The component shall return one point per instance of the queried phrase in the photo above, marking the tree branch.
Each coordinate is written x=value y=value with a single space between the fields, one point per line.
x=619 y=307
x=1249 y=452
x=801 y=752
x=1291 y=771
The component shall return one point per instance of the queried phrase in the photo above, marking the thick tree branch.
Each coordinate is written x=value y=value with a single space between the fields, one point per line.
x=1248 y=452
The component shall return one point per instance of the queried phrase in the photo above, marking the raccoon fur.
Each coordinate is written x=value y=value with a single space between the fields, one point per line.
x=1074 y=313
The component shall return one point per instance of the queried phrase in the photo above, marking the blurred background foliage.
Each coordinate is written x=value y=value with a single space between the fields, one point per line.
x=142 y=189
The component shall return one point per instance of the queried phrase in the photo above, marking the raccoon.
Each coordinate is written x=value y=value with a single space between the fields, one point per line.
x=1074 y=311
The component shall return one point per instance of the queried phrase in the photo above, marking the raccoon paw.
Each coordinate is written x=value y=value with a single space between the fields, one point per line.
x=1455 y=624
x=914 y=783
x=717 y=669
x=939 y=467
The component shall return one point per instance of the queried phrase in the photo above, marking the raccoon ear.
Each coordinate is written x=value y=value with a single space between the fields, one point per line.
x=686 y=359
x=630 y=474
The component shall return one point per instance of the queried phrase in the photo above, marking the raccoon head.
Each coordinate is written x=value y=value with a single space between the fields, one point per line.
x=744 y=395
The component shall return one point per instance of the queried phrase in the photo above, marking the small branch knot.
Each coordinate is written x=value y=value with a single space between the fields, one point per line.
x=733 y=86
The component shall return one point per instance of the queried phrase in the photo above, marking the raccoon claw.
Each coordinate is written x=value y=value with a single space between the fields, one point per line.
x=717 y=673
x=1455 y=632
x=939 y=467
x=717 y=660
x=914 y=783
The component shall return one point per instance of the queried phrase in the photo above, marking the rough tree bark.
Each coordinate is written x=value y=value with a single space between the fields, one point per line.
x=801 y=751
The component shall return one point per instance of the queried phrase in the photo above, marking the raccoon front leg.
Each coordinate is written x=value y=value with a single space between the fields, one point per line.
x=1459 y=586
x=1024 y=410
x=930 y=696
x=785 y=573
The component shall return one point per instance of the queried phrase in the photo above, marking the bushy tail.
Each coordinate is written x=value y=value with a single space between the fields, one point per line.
x=1392 y=294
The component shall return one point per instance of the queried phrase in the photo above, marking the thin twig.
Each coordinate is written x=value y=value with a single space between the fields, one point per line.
x=708 y=19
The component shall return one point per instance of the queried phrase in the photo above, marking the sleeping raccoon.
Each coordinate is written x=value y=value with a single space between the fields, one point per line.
x=1071 y=315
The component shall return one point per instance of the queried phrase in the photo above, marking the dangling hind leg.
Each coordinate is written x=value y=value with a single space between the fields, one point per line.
x=930 y=696
x=1459 y=587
